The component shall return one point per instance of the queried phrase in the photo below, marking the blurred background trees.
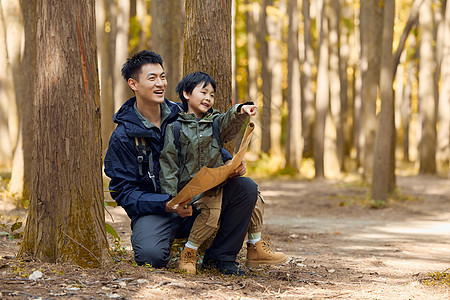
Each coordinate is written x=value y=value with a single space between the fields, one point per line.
x=320 y=70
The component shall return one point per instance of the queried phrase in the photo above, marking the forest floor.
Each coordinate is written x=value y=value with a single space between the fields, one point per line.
x=338 y=248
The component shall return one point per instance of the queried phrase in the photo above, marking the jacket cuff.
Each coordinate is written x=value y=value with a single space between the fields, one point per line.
x=245 y=103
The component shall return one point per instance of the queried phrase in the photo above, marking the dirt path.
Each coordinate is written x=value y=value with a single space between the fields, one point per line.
x=338 y=248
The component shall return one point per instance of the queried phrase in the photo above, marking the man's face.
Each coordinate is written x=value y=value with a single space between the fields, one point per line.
x=151 y=85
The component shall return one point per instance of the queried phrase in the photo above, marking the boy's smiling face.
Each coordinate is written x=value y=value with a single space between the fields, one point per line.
x=200 y=100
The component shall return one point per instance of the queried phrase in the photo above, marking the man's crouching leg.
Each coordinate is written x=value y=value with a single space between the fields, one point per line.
x=151 y=239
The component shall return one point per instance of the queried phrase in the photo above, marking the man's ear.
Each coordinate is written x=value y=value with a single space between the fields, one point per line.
x=132 y=84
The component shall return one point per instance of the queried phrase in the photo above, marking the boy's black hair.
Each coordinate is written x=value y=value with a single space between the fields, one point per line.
x=132 y=68
x=190 y=81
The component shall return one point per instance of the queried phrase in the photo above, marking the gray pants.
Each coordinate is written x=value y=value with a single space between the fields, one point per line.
x=153 y=234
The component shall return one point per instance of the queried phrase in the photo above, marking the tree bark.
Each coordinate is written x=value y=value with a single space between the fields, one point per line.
x=323 y=90
x=121 y=90
x=307 y=78
x=384 y=160
x=443 y=133
x=266 y=75
x=65 y=221
x=252 y=71
x=106 y=69
x=207 y=45
x=167 y=40
x=427 y=103
x=370 y=14
x=294 y=143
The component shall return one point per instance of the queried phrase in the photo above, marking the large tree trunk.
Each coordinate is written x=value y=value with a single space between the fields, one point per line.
x=427 y=103
x=294 y=143
x=167 y=40
x=370 y=14
x=207 y=45
x=384 y=160
x=65 y=222
x=252 y=71
x=443 y=133
x=323 y=90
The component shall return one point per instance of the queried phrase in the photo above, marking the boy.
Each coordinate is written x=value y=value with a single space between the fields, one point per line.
x=193 y=141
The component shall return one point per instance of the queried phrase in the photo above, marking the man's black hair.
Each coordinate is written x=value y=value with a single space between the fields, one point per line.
x=132 y=68
x=190 y=81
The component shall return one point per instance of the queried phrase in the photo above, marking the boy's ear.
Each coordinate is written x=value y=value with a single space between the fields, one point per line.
x=132 y=84
x=186 y=95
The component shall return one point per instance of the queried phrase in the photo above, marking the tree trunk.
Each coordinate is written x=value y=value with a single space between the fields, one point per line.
x=266 y=75
x=370 y=14
x=21 y=172
x=8 y=110
x=294 y=143
x=427 y=104
x=121 y=90
x=252 y=71
x=337 y=155
x=443 y=133
x=65 y=221
x=307 y=77
x=323 y=90
x=275 y=36
x=106 y=69
x=167 y=40
x=207 y=45
x=384 y=160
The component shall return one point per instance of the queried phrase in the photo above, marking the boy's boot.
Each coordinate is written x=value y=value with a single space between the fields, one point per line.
x=260 y=253
x=188 y=260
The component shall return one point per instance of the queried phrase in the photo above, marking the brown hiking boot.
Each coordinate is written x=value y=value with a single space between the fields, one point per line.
x=260 y=253
x=188 y=260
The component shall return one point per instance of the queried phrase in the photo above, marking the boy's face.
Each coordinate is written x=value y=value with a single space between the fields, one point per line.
x=200 y=100
x=151 y=85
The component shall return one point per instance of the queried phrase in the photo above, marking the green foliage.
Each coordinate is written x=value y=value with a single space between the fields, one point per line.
x=135 y=30
x=10 y=230
x=117 y=251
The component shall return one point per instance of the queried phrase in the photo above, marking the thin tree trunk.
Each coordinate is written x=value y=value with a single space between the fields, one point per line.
x=266 y=74
x=252 y=71
x=65 y=221
x=294 y=143
x=371 y=13
x=322 y=94
x=167 y=40
x=308 y=111
x=121 y=90
x=384 y=161
x=427 y=104
x=105 y=67
x=443 y=133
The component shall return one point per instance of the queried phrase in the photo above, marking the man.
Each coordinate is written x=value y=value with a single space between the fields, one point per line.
x=132 y=163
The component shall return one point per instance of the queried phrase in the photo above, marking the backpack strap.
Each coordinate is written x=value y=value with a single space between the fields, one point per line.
x=142 y=149
x=176 y=136
x=216 y=132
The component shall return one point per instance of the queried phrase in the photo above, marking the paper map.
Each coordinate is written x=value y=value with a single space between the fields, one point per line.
x=208 y=178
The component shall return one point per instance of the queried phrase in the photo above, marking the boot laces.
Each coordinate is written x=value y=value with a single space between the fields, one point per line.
x=266 y=246
x=189 y=257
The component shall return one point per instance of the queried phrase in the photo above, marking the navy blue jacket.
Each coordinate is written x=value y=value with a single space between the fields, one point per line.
x=135 y=193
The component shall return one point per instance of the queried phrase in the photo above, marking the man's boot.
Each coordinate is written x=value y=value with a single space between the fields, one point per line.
x=260 y=253
x=188 y=260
